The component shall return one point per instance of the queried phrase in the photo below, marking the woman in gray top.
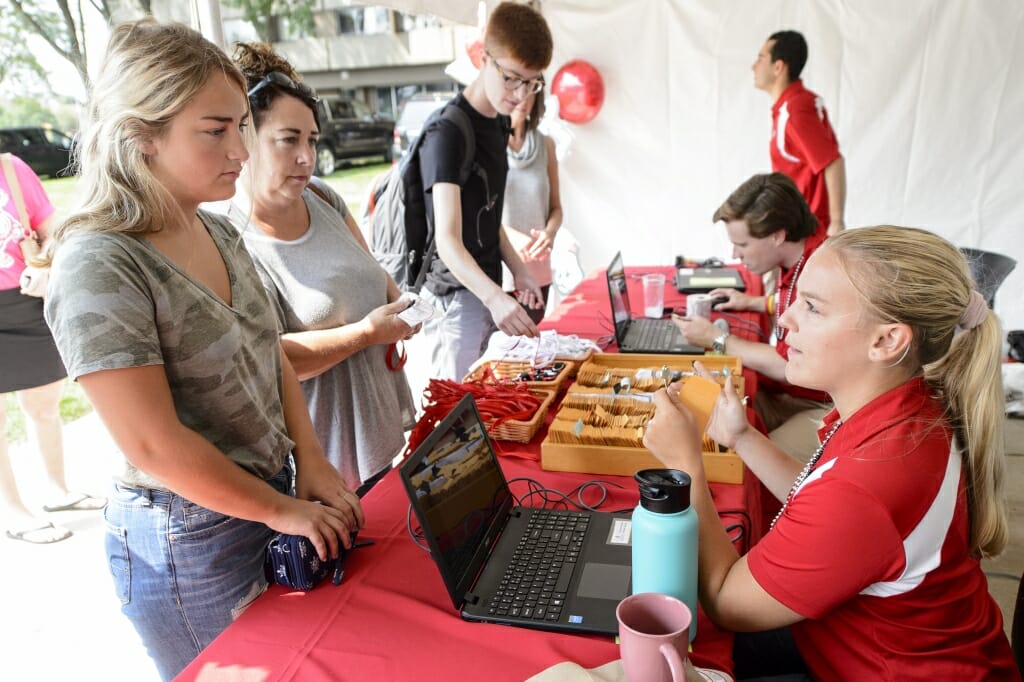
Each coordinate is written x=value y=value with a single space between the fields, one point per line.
x=158 y=312
x=532 y=212
x=336 y=307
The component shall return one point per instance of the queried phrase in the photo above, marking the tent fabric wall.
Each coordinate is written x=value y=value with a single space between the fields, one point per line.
x=927 y=99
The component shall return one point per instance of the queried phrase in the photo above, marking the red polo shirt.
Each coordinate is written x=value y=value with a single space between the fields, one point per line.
x=803 y=144
x=873 y=552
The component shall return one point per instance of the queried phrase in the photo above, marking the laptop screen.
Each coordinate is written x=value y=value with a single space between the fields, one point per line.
x=618 y=293
x=459 y=494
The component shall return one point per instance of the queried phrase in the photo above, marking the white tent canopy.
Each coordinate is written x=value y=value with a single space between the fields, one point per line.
x=926 y=96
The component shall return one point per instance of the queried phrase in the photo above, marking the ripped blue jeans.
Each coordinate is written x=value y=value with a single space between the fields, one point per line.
x=183 y=573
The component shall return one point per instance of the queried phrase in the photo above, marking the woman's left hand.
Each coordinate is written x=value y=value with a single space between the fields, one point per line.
x=413 y=332
x=539 y=247
x=317 y=479
x=672 y=435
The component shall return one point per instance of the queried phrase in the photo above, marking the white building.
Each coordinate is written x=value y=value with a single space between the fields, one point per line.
x=373 y=54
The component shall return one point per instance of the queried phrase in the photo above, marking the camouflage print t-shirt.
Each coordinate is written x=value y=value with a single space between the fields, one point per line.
x=115 y=301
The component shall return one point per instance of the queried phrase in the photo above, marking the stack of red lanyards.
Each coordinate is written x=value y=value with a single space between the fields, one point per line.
x=496 y=403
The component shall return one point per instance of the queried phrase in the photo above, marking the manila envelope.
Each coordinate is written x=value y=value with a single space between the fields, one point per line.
x=699 y=394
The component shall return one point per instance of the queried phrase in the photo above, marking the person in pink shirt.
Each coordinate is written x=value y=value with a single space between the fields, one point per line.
x=803 y=144
x=29 y=363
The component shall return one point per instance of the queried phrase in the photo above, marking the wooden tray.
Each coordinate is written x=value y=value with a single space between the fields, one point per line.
x=720 y=467
x=575 y=362
x=504 y=370
x=620 y=420
x=605 y=369
x=524 y=431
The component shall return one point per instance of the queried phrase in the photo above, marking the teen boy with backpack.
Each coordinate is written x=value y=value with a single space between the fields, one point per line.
x=464 y=277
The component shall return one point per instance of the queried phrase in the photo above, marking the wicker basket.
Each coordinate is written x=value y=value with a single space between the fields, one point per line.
x=524 y=431
x=496 y=371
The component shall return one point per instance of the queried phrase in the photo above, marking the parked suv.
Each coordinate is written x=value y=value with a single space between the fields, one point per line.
x=348 y=129
x=46 y=151
x=414 y=113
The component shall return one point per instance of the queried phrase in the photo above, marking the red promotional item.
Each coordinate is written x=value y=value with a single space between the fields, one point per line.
x=475 y=50
x=580 y=91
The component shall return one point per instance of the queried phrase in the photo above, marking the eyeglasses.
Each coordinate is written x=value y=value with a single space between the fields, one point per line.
x=278 y=78
x=513 y=83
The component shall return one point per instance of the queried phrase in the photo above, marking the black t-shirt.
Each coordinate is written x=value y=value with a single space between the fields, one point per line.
x=440 y=158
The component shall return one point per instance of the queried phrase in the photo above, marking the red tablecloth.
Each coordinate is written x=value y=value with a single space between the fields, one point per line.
x=587 y=312
x=391 y=619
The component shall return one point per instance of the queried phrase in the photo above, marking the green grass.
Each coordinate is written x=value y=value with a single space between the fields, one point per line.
x=62 y=194
x=73 y=404
x=351 y=182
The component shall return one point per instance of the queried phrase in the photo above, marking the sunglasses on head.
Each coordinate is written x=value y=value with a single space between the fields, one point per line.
x=279 y=79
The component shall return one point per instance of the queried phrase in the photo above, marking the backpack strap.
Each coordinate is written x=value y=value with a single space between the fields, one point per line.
x=453 y=113
x=318 y=187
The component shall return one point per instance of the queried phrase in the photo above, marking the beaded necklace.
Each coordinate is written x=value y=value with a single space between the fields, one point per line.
x=779 y=331
x=806 y=470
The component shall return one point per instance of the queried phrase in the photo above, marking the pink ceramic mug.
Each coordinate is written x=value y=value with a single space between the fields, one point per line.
x=653 y=637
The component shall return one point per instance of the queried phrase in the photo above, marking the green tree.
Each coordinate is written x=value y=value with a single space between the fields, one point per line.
x=25 y=111
x=19 y=70
x=265 y=16
x=64 y=29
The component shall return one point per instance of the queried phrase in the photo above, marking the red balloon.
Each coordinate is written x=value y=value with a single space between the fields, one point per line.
x=475 y=50
x=580 y=91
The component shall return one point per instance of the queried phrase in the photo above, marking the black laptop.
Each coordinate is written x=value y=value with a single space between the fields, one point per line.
x=703 y=280
x=503 y=563
x=642 y=334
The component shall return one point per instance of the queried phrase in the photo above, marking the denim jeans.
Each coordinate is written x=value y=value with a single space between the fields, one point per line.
x=459 y=336
x=183 y=573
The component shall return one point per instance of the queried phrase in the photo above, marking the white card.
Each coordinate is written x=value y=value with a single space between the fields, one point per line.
x=418 y=311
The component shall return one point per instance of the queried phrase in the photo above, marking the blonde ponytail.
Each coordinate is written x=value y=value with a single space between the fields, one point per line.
x=914 y=277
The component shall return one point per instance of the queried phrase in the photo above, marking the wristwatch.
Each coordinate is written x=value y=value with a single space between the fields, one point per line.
x=718 y=344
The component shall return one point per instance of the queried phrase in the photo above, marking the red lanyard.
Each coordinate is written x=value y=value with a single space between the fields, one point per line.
x=395 y=356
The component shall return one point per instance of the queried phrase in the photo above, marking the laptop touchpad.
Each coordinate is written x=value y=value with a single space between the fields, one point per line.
x=604 y=581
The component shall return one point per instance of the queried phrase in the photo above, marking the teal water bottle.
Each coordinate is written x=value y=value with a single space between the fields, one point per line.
x=665 y=538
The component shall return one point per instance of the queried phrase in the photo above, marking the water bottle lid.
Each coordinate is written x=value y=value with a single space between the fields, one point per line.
x=664 y=491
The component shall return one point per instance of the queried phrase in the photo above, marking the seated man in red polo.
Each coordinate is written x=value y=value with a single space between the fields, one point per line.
x=770 y=226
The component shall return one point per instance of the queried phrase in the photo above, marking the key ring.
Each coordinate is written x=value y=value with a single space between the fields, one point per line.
x=395 y=356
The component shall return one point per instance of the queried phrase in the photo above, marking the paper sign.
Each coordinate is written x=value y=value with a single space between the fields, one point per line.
x=712 y=281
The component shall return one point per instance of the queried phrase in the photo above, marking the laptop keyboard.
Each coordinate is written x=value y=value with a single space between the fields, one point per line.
x=537 y=579
x=647 y=333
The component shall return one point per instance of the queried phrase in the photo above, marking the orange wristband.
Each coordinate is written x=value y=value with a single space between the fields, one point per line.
x=769 y=304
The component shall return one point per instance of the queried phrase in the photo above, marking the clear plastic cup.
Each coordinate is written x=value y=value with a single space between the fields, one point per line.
x=654 y=294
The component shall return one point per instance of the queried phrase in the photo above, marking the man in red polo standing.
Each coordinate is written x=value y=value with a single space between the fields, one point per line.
x=803 y=144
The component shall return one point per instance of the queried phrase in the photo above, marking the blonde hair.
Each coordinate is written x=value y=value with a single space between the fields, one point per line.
x=150 y=73
x=914 y=277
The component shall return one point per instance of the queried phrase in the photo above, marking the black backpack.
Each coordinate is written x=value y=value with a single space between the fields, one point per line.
x=401 y=238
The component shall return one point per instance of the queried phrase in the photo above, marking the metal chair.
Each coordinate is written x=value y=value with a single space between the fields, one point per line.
x=988 y=270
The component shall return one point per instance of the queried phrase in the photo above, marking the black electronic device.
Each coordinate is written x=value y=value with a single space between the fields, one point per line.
x=641 y=335
x=545 y=569
x=701 y=280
